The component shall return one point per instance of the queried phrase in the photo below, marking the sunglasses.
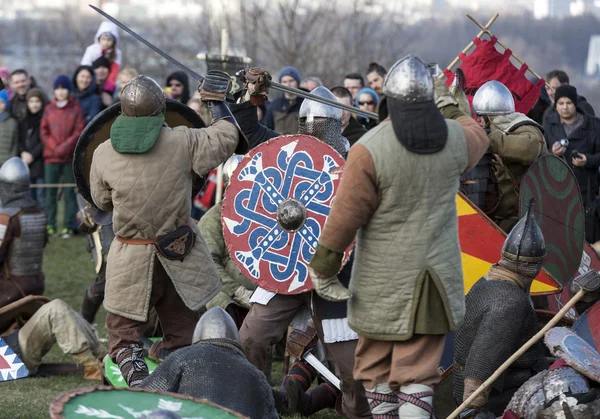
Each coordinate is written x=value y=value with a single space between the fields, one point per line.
x=369 y=102
x=175 y=85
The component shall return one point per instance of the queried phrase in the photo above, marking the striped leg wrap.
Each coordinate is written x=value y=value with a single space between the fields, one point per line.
x=130 y=360
x=303 y=373
x=383 y=402
x=415 y=401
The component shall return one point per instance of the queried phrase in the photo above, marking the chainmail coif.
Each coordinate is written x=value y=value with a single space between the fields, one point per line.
x=327 y=130
x=499 y=319
x=216 y=370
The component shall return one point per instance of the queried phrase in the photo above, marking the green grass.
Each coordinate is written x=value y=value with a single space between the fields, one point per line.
x=69 y=270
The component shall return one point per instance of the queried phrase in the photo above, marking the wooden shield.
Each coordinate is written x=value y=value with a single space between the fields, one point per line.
x=296 y=168
x=11 y=366
x=126 y=403
x=21 y=309
x=559 y=213
x=98 y=130
x=588 y=326
x=575 y=351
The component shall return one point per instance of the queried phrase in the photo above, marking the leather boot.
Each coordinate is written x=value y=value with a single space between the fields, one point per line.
x=130 y=360
x=93 y=371
x=90 y=307
x=307 y=403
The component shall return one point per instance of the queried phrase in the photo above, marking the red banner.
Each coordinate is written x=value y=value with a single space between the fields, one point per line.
x=486 y=63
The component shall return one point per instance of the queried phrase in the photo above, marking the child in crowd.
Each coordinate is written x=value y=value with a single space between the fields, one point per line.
x=105 y=45
x=9 y=130
x=62 y=124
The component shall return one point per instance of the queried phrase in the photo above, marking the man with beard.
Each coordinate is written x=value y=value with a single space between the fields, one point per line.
x=179 y=84
x=20 y=83
x=214 y=368
x=516 y=142
x=399 y=193
x=22 y=235
x=144 y=174
x=268 y=320
x=499 y=319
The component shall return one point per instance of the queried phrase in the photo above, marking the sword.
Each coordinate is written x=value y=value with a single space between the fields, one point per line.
x=275 y=86
x=322 y=369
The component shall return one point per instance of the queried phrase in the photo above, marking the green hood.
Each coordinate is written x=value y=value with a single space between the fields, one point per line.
x=135 y=134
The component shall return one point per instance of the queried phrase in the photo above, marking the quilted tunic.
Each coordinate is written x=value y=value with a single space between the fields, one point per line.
x=150 y=195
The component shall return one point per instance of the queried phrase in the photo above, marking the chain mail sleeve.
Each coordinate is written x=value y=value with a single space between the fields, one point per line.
x=166 y=377
x=498 y=336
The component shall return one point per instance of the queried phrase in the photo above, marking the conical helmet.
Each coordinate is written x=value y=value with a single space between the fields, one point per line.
x=216 y=324
x=525 y=245
x=311 y=109
x=409 y=80
x=15 y=172
x=142 y=96
x=493 y=98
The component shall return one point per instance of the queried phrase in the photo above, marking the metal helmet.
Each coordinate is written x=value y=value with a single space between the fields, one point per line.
x=14 y=171
x=493 y=98
x=142 y=96
x=409 y=80
x=311 y=109
x=216 y=323
x=525 y=249
x=230 y=165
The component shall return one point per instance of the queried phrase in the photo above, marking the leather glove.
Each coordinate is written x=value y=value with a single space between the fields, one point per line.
x=442 y=95
x=84 y=223
x=330 y=289
x=589 y=282
x=215 y=87
x=256 y=84
x=242 y=296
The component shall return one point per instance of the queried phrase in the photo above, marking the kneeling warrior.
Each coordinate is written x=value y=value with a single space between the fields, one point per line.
x=159 y=259
x=22 y=235
x=499 y=319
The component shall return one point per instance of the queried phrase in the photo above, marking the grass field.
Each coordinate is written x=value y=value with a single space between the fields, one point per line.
x=69 y=270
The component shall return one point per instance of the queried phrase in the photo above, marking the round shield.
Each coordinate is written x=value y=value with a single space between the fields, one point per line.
x=275 y=207
x=588 y=326
x=98 y=130
x=559 y=213
x=129 y=403
x=575 y=351
x=23 y=308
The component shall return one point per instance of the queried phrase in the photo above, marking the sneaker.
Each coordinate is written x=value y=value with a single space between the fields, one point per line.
x=66 y=233
x=51 y=231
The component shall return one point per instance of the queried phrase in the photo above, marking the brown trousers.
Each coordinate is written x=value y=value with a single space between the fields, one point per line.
x=265 y=325
x=398 y=363
x=178 y=322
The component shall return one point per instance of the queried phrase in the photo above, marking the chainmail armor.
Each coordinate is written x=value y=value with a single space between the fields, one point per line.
x=26 y=252
x=499 y=319
x=327 y=130
x=216 y=370
x=529 y=270
x=16 y=196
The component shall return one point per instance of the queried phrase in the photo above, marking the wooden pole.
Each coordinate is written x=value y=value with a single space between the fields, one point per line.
x=471 y=44
x=485 y=29
x=224 y=46
x=518 y=354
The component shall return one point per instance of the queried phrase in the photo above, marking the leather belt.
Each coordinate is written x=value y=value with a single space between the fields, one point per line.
x=136 y=241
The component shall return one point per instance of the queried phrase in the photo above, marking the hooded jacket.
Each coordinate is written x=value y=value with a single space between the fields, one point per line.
x=94 y=51
x=181 y=77
x=89 y=100
x=60 y=130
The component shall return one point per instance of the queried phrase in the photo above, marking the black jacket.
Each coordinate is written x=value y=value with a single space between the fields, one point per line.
x=354 y=131
x=585 y=140
x=29 y=140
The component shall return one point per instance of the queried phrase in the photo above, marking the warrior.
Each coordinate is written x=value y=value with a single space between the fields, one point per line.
x=32 y=325
x=99 y=240
x=271 y=313
x=22 y=235
x=143 y=174
x=237 y=289
x=215 y=368
x=499 y=319
x=398 y=192
x=516 y=141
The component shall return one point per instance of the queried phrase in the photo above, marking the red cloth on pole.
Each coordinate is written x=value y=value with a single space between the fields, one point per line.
x=486 y=63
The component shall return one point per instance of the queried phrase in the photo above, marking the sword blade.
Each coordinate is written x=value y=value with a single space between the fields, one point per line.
x=322 y=369
x=149 y=45
x=273 y=85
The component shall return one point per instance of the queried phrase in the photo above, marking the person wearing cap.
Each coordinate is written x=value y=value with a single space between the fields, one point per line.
x=104 y=87
x=397 y=198
x=516 y=142
x=282 y=115
x=61 y=126
x=367 y=100
x=581 y=151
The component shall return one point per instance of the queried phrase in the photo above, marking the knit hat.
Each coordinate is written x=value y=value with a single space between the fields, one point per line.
x=566 y=91
x=101 y=62
x=37 y=92
x=63 y=81
x=289 y=71
x=368 y=91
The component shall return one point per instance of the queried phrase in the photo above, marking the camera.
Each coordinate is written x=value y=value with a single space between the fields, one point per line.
x=564 y=142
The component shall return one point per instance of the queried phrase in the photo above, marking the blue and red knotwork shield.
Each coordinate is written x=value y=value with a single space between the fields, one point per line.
x=275 y=207
x=577 y=352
